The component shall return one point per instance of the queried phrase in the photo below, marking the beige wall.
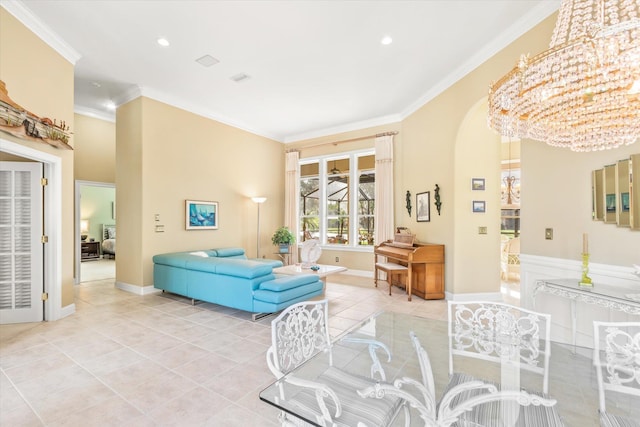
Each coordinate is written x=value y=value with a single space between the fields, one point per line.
x=165 y=156
x=95 y=149
x=556 y=193
x=41 y=80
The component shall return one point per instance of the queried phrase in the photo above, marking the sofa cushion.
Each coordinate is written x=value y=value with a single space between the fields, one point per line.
x=177 y=259
x=242 y=268
x=228 y=252
x=200 y=253
x=283 y=283
x=280 y=297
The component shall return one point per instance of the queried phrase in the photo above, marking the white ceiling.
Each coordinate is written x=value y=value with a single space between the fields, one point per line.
x=316 y=67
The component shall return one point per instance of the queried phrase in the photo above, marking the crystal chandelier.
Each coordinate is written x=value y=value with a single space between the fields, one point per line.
x=584 y=91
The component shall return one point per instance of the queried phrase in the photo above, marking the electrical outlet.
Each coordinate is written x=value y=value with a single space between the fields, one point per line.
x=337 y=259
x=548 y=233
x=482 y=230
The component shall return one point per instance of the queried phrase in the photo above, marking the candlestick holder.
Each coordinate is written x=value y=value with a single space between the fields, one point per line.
x=585 y=280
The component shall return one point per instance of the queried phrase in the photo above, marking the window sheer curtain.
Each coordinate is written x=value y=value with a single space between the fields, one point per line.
x=383 y=216
x=291 y=193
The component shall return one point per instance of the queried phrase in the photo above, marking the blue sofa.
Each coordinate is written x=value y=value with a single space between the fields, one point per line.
x=227 y=277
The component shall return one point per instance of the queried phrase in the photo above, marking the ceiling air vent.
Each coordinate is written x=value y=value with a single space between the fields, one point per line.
x=240 y=77
x=207 y=61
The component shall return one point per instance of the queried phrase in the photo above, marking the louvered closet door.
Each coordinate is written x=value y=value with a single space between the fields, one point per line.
x=21 y=257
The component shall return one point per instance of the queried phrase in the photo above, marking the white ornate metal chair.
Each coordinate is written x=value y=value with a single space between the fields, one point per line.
x=300 y=332
x=515 y=339
x=444 y=414
x=619 y=344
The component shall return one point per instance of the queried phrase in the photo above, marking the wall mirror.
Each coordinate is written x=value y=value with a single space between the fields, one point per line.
x=634 y=191
x=610 y=199
x=622 y=193
x=598 y=196
x=615 y=198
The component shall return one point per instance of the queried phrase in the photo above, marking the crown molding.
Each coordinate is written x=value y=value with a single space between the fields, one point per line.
x=363 y=124
x=29 y=20
x=505 y=38
x=96 y=114
x=204 y=112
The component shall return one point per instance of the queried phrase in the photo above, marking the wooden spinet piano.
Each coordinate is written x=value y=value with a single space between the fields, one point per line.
x=425 y=263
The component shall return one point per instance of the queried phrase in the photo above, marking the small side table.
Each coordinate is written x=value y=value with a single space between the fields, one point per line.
x=285 y=256
x=89 y=251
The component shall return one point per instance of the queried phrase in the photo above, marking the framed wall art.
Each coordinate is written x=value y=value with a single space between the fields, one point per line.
x=423 y=202
x=201 y=215
x=479 y=206
x=477 y=184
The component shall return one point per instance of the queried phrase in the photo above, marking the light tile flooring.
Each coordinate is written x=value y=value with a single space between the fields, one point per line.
x=156 y=360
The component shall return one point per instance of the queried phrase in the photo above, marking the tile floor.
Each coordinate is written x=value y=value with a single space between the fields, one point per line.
x=156 y=360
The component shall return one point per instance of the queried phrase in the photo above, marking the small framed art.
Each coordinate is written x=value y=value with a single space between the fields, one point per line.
x=479 y=206
x=477 y=184
x=201 y=215
x=423 y=201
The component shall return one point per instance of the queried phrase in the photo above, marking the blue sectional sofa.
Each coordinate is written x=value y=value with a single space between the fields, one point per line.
x=227 y=277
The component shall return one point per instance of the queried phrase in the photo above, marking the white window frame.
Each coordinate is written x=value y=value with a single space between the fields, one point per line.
x=354 y=175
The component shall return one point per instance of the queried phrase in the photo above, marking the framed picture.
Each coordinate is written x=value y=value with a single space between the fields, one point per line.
x=423 y=206
x=479 y=206
x=201 y=215
x=477 y=184
x=624 y=202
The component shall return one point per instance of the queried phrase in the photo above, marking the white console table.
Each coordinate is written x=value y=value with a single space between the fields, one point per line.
x=598 y=294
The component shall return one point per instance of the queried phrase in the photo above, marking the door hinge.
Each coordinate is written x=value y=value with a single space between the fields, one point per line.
x=45 y=296
x=45 y=239
x=44 y=182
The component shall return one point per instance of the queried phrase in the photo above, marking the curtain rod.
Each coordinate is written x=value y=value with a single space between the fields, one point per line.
x=345 y=140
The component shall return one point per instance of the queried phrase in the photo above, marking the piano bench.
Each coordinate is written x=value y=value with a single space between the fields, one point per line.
x=392 y=269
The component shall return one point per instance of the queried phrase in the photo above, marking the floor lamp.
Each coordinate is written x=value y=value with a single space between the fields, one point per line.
x=258 y=201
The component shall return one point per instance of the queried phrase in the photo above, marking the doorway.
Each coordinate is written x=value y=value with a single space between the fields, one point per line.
x=510 y=184
x=52 y=221
x=95 y=218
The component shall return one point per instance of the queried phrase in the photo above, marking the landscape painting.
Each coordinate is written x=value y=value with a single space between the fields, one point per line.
x=201 y=215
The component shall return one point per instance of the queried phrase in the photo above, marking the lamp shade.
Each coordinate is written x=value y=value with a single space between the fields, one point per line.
x=84 y=225
x=259 y=199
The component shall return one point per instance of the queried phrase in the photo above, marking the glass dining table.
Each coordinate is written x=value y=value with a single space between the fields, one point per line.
x=572 y=376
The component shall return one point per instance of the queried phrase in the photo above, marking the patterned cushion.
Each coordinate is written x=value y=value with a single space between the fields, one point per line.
x=489 y=414
x=610 y=420
x=355 y=409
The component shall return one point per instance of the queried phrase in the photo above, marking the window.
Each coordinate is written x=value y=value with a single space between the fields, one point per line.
x=329 y=211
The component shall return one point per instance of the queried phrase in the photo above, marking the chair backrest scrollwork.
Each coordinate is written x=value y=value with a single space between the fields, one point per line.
x=618 y=343
x=496 y=331
x=298 y=333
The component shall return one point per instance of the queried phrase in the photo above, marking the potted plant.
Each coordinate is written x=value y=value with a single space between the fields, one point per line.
x=283 y=237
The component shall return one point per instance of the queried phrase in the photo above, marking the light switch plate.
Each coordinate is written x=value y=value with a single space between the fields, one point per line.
x=482 y=230
x=548 y=233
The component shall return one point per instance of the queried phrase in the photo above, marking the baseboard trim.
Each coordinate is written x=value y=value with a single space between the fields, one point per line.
x=138 y=290
x=360 y=273
x=479 y=296
x=67 y=310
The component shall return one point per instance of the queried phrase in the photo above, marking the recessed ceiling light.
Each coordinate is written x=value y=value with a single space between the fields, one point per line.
x=96 y=84
x=163 y=42
x=386 y=40
x=207 y=61
x=240 y=77
x=110 y=105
